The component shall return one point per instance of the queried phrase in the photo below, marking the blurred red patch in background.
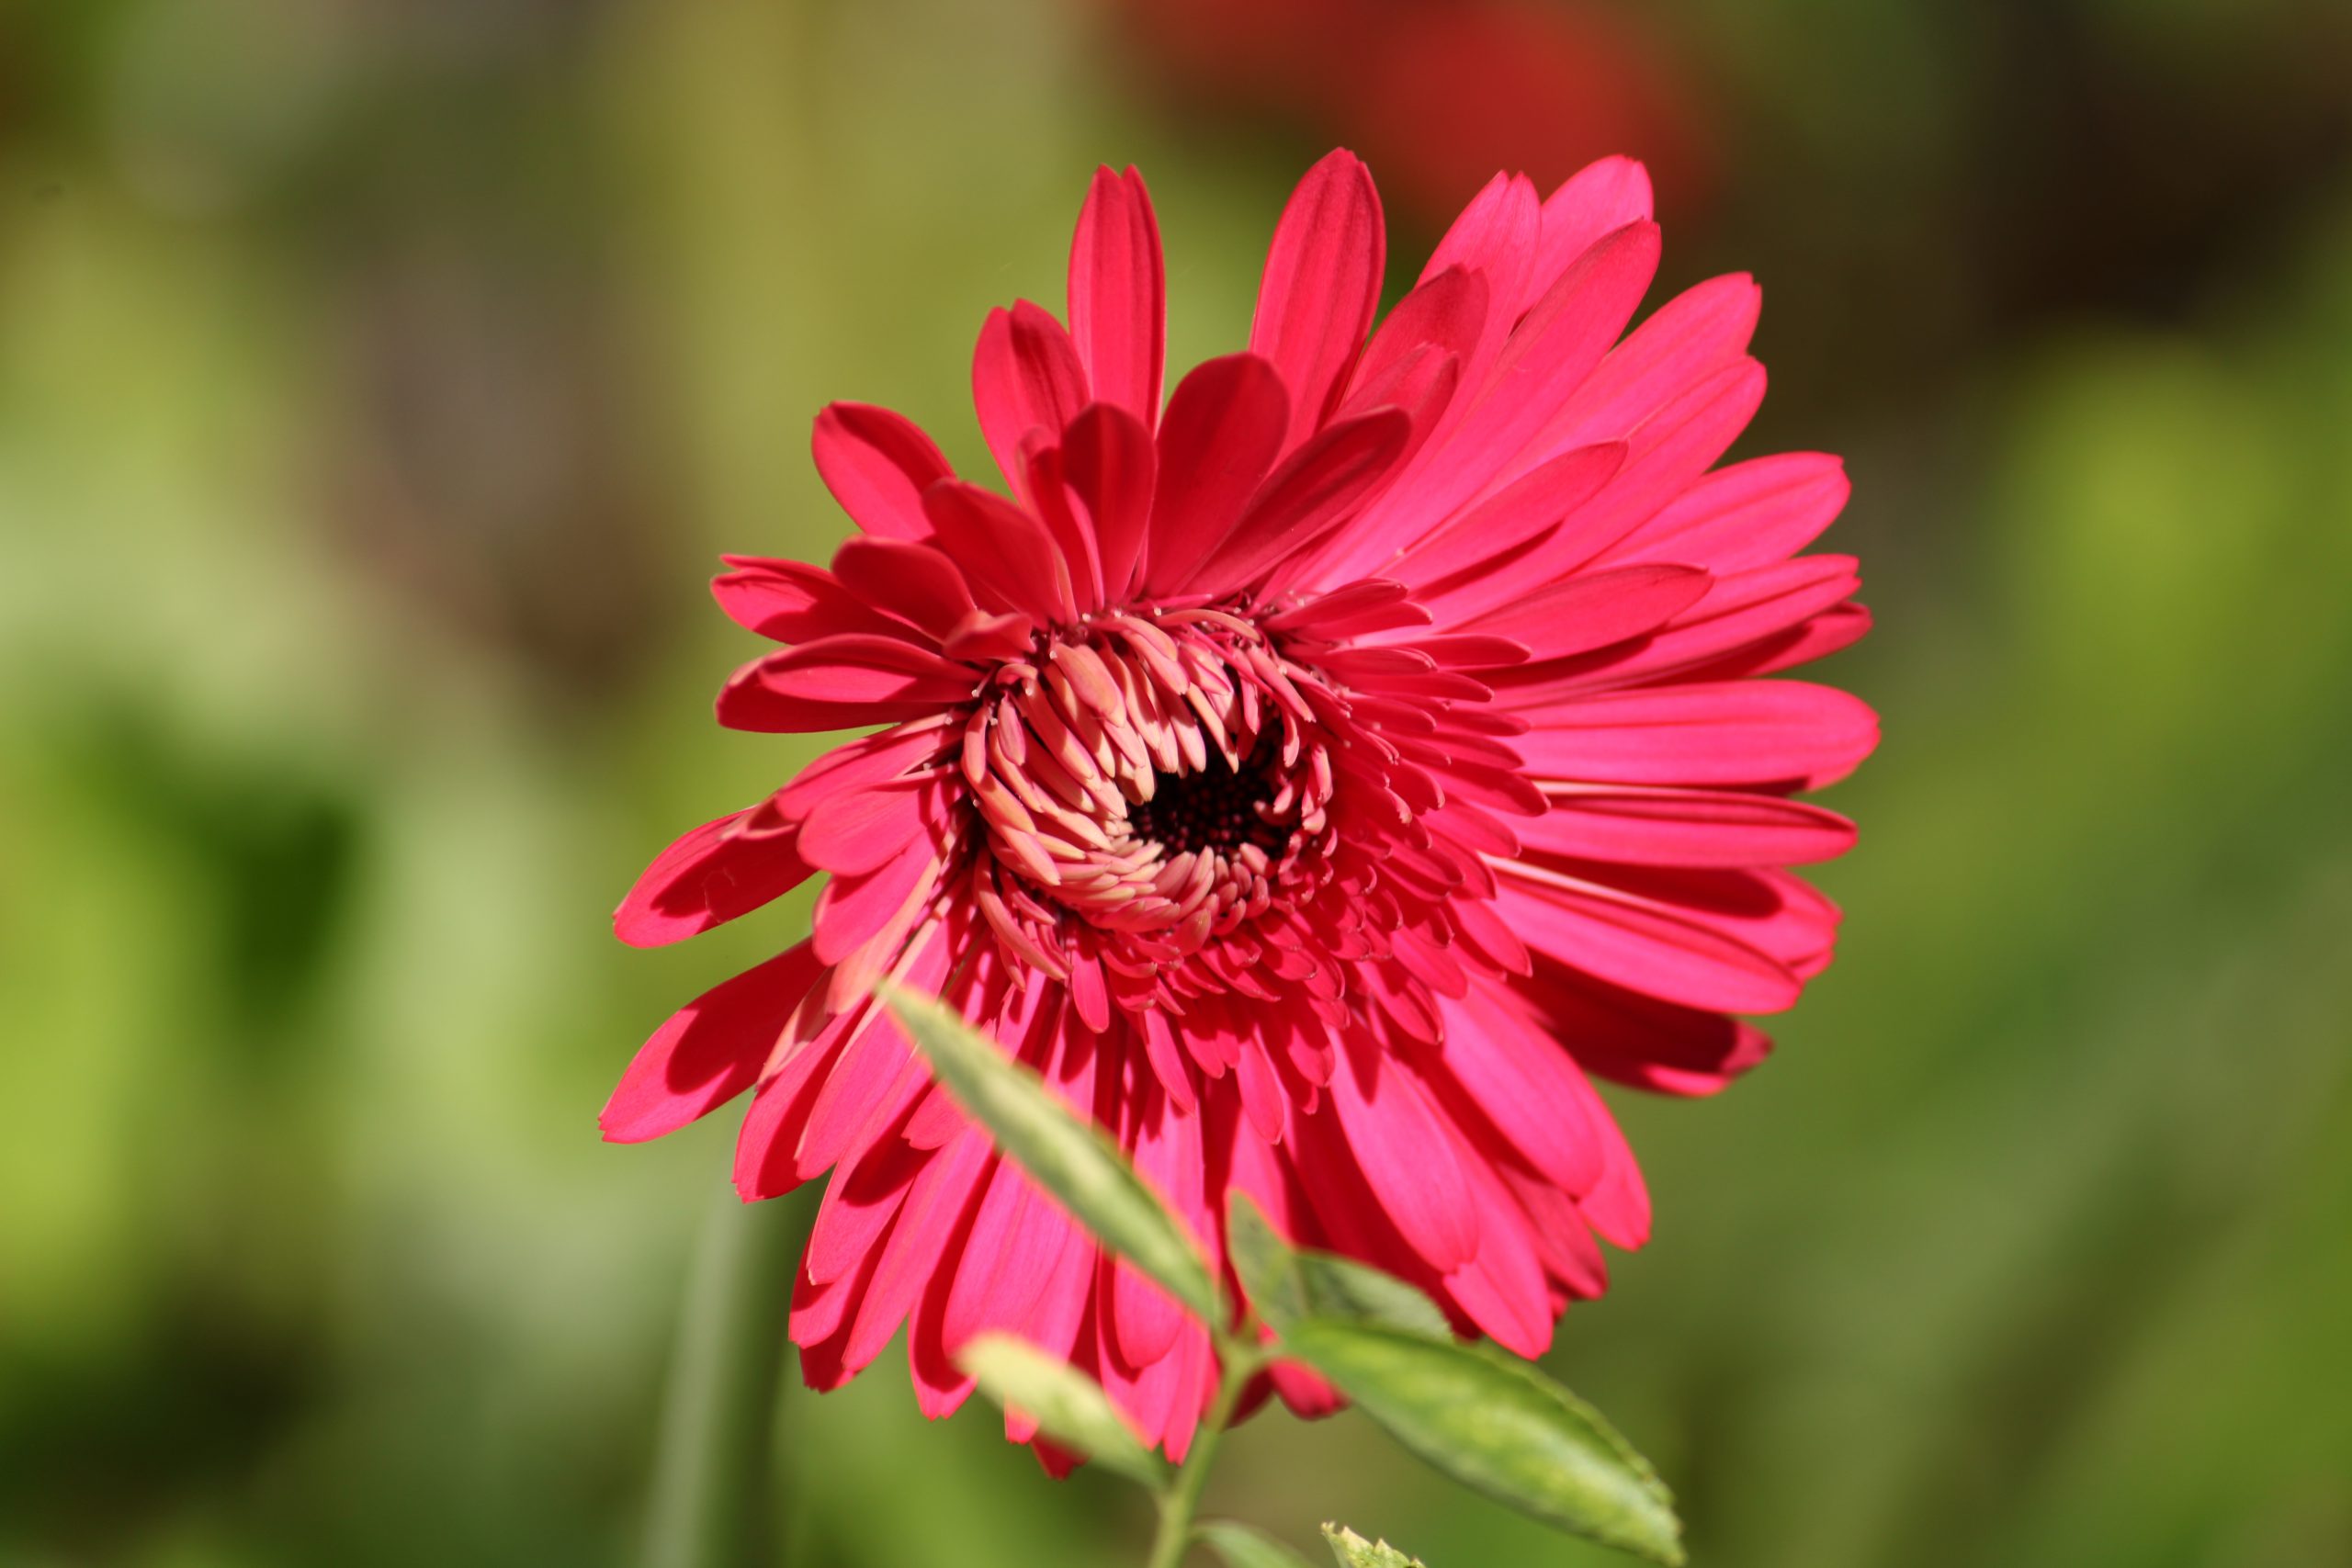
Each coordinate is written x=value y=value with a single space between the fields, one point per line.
x=1437 y=95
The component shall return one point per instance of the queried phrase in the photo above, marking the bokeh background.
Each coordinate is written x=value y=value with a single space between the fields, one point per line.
x=379 y=380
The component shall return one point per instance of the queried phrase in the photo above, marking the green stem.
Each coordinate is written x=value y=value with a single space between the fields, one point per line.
x=1241 y=1361
x=713 y=1503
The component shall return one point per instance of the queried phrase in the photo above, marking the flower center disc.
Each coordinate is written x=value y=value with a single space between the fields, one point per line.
x=1152 y=779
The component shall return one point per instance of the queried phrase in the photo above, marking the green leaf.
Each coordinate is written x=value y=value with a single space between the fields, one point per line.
x=1354 y=1551
x=1242 y=1547
x=1065 y=1156
x=1497 y=1424
x=1287 y=1285
x=1070 y=1406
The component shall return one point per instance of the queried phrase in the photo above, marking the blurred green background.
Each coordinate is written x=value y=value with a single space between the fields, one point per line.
x=379 y=377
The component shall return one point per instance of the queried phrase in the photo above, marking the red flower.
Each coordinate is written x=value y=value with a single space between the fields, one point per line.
x=1315 y=779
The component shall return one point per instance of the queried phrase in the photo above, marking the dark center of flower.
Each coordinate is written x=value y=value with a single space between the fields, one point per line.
x=1216 y=809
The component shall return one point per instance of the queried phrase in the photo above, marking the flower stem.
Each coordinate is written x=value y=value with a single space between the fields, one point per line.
x=1241 y=1361
x=712 y=1502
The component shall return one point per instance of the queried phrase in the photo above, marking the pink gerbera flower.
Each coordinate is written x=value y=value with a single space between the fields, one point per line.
x=1318 y=779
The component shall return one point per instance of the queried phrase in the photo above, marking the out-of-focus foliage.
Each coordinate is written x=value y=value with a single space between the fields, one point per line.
x=377 y=380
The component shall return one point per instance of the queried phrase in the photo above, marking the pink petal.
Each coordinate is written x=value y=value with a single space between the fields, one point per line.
x=1495 y=237
x=1058 y=1320
x=1563 y=1239
x=1259 y=1170
x=1003 y=551
x=1148 y=1394
x=858 y=668
x=865 y=1194
x=855 y=910
x=748 y=704
x=984 y=639
x=1145 y=1319
x=1088 y=994
x=819 y=1309
x=1508 y=394
x=1774 y=912
x=1222 y=431
x=1781 y=733
x=874 y=1081
x=1110 y=463
x=1750 y=514
x=1692 y=336
x=1597 y=199
x=1665 y=454
x=1482 y=543
x=1482 y=649
x=791 y=601
x=916 y=582
x=1016 y=1244
x=1373 y=604
x=1421 y=386
x=1748 y=610
x=1166 y=1059
x=1311 y=493
x=1686 y=827
x=1307 y=1395
x=1322 y=286
x=1548 y=359
x=1408 y=1162
x=1502 y=1289
x=1595 y=611
x=771 y=1130
x=941 y=1387
x=1446 y=314
x=1494 y=232
x=705 y=879
x=1640 y=1041
x=1841 y=626
x=1641 y=946
x=1416 y=362
x=1068 y=524
x=1348 y=1215
x=877 y=464
x=1055 y=1321
x=1117 y=295
x=868 y=760
x=1483 y=931
x=926 y=1224
x=856 y=830
x=1620 y=1207
x=1025 y=377
x=1526 y=1083
x=708 y=1051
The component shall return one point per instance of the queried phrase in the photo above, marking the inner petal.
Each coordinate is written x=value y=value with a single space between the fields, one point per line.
x=1137 y=785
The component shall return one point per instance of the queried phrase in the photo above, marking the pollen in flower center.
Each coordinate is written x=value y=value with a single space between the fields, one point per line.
x=1216 y=809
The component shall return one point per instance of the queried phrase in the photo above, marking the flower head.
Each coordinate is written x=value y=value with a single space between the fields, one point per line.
x=1318 y=779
